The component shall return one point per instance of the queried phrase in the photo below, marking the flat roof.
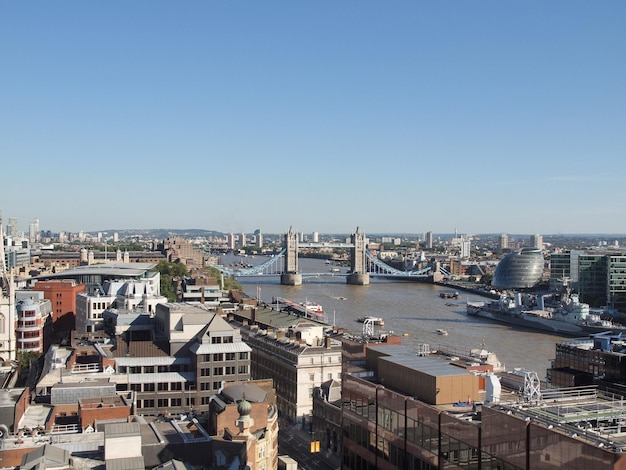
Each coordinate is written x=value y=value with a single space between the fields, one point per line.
x=427 y=365
x=120 y=270
x=122 y=430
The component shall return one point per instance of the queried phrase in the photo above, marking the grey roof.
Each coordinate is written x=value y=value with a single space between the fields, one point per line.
x=239 y=346
x=428 y=365
x=122 y=430
x=152 y=361
x=172 y=465
x=394 y=350
x=46 y=456
x=120 y=270
x=127 y=463
x=161 y=377
x=236 y=393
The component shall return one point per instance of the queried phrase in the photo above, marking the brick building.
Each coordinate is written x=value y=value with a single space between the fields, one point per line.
x=62 y=295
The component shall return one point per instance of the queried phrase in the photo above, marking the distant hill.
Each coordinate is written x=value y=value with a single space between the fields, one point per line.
x=162 y=233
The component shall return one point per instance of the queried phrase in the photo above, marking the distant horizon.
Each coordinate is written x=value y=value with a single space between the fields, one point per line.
x=111 y=231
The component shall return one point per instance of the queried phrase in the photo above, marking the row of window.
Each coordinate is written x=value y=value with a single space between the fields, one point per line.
x=219 y=371
x=162 y=386
x=221 y=357
x=164 y=403
x=222 y=339
x=153 y=369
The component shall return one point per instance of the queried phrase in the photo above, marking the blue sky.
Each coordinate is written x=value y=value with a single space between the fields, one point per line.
x=403 y=116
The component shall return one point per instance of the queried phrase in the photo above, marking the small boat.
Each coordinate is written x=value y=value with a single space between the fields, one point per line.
x=374 y=320
x=449 y=295
x=441 y=331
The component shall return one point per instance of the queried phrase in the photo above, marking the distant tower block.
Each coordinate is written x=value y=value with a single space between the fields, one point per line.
x=290 y=276
x=358 y=275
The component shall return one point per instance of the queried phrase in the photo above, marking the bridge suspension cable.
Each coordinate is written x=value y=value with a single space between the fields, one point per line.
x=376 y=266
x=271 y=266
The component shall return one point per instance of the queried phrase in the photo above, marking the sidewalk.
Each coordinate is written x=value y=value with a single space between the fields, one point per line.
x=327 y=455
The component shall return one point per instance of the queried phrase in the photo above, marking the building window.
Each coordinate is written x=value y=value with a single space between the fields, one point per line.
x=217 y=385
x=230 y=370
x=311 y=377
x=162 y=402
x=218 y=357
x=148 y=387
x=243 y=356
x=162 y=386
x=243 y=369
x=176 y=386
x=230 y=356
x=218 y=371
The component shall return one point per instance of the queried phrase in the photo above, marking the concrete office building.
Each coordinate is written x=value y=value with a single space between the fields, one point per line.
x=298 y=359
x=172 y=362
x=503 y=243
x=536 y=241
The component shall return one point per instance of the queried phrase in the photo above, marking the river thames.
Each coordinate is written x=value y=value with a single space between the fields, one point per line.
x=409 y=308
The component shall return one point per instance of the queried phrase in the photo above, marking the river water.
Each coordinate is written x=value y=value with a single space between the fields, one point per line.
x=411 y=308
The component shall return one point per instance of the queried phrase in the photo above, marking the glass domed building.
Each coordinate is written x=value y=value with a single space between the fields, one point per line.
x=520 y=269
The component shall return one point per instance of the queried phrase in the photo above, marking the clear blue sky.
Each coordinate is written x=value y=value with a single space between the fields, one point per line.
x=402 y=116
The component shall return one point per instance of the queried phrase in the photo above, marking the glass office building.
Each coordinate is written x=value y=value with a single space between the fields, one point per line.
x=520 y=269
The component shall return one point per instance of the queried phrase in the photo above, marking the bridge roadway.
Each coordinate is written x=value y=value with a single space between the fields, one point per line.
x=325 y=245
x=403 y=277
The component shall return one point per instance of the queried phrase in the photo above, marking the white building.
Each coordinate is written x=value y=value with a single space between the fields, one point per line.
x=465 y=246
x=7 y=307
x=122 y=295
x=298 y=360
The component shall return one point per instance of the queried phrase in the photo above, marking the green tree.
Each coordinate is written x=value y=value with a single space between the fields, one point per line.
x=486 y=279
x=229 y=282
x=169 y=271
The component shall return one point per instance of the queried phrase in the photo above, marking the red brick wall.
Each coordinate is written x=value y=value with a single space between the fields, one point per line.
x=62 y=295
x=88 y=416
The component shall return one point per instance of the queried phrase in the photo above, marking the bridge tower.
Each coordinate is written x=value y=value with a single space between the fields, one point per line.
x=358 y=269
x=290 y=276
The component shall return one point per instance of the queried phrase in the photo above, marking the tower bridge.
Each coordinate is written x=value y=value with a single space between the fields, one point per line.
x=363 y=264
